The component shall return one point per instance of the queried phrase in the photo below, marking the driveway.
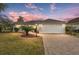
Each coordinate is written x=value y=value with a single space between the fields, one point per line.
x=60 y=44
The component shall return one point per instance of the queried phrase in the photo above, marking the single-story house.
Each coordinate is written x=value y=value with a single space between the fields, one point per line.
x=45 y=26
x=74 y=23
x=49 y=26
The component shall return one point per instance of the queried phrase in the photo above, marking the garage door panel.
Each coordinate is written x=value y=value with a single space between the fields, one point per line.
x=52 y=29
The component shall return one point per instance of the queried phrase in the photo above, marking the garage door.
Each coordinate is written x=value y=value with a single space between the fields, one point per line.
x=52 y=29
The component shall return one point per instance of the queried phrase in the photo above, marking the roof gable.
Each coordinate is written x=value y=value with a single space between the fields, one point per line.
x=75 y=20
x=47 y=21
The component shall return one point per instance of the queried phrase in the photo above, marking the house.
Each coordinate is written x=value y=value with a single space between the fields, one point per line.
x=74 y=23
x=49 y=26
x=44 y=26
x=72 y=26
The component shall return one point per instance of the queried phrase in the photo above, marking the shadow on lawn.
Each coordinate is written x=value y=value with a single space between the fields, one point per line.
x=29 y=36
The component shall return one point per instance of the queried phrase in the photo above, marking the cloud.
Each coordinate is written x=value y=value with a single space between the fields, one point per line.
x=70 y=13
x=35 y=17
x=52 y=7
x=33 y=6
x=67 y=14
x=26 y=16
x=23 y=13
x=73 y=11
x=13 y=16
x=35 y=10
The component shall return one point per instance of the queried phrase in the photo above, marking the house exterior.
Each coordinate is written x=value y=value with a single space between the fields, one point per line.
x=72 y=26
x=49 y=26
x=45 y=26
x=74 y=23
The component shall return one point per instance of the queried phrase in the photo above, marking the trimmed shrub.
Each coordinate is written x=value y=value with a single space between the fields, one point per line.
x=16 y=29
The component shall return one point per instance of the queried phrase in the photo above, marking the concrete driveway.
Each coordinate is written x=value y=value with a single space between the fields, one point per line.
x=60 y=44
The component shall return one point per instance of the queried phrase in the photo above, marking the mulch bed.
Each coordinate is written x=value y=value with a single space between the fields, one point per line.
x=29 y=36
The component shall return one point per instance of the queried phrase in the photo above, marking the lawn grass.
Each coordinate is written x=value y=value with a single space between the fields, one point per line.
x=14 y=44
x=76 y=34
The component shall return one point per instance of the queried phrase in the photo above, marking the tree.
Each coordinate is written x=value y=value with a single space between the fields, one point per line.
x=2 y=22
x=2 y=7
x=0 y=28
x=6 y=24
x=20 y=20
x=27 y=29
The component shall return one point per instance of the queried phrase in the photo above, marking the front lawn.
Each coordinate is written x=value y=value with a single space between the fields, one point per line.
x=76 y=34
x=14 y=44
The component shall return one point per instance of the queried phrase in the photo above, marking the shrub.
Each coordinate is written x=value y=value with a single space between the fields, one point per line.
x=16 y=29
x=27 y=29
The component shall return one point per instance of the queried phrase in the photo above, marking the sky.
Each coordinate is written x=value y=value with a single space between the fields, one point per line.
x=42 y=11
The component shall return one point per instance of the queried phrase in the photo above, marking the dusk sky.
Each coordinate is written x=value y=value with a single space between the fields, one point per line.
x=37 y=11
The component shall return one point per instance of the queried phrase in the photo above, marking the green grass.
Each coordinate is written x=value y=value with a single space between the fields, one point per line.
x=76 y=34
x=14 y=44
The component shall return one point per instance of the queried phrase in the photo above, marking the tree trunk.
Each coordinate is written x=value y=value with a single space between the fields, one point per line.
x=36 y=34
x=27 y=33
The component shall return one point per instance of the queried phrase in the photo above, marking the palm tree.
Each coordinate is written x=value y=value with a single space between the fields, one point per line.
x=2 y=20
x=2 y=7
x=6 y=24
x=27 y=29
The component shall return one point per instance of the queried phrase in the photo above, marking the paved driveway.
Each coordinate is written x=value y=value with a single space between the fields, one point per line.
x=60 y=44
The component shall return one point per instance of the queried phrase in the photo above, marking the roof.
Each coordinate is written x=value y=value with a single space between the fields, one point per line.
x=47 y=21
x=75 y=20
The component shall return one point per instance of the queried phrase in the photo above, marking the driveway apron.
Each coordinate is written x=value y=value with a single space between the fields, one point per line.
x=60 y=44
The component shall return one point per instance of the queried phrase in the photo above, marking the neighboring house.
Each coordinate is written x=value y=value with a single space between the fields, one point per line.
x=74 y=23
x=49 y=26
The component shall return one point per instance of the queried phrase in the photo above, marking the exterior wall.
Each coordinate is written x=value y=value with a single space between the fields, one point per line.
x=75 y=25
x=52 y=28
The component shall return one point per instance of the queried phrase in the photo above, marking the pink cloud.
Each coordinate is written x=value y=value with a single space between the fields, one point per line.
x=23 y=13
x=26 y=16
x=73 y=11
x=67 y=14
x=70 y=13
x=13 y=16
x=35 y=17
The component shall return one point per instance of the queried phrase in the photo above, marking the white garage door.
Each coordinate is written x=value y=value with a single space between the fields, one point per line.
x=52 y=29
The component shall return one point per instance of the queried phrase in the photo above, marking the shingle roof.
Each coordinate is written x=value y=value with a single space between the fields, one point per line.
x=48 y=21
x=75 y=20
